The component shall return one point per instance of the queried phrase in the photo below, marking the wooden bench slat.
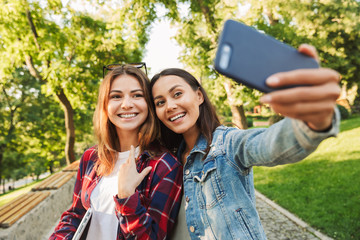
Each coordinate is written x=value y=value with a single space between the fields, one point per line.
x=73 y=167
x=6 y=207
x=46 y=182
x=27 y=198
x=39 y=196
x=64 y=180
x=58 y=182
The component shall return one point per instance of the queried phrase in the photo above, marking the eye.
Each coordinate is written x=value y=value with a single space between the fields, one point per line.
x=177 y=94
x=115 y=96
x=159 y=103
x=138 y=95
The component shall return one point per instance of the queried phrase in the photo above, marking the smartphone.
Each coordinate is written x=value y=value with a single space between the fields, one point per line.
x=250 y=57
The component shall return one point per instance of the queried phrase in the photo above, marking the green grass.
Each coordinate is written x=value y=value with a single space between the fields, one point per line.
x=323 y=189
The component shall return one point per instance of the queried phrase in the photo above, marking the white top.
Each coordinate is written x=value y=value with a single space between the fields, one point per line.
x=104 y=223
x=181 y=231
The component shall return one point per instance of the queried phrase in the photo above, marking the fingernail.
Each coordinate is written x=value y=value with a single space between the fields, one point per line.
x=273 y=80
x=265 y=99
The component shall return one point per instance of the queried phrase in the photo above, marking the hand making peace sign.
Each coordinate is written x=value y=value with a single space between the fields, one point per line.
x=128 y=176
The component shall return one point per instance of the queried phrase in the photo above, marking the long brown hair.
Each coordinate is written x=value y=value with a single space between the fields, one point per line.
x=208 y=120
x=105 y=130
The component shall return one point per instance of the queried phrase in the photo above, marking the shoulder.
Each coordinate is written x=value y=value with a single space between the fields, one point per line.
x=223 y=132
x=163 y=162
x=90 y=154
x=89 y=157
x=166 y=158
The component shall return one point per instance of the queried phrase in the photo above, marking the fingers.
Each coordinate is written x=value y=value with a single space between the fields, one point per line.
x=309 y=50
x=305 y=111
x=316 y=76
x=326 y=92
x=131 y=155
x=145 y=172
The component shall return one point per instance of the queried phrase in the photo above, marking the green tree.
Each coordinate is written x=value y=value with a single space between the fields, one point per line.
x=66 y=48
x=22 y=113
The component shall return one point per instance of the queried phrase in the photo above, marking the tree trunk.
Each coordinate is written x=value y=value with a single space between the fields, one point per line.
x=238 y=116
x=68 y=111
x=1 y=167
x=70 y=127
x=356 y=105
x=238 y=113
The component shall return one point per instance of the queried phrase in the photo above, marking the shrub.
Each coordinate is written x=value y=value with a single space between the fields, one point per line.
x=275 y=118
x=250 y=122
x=344 y=113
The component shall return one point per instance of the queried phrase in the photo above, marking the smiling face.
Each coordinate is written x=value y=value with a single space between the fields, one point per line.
x=127 y=107
x=177 y=104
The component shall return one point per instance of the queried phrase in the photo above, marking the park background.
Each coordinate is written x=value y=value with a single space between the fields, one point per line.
x=51 y=58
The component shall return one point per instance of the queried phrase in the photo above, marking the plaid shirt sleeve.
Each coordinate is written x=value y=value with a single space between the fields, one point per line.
x=71 y=218
x=150 y=213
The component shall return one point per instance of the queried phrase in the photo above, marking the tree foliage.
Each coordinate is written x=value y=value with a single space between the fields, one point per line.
x=64 y=45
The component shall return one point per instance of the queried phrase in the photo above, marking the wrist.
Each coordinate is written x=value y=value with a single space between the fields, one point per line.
x=125 y=193
x=320 y=127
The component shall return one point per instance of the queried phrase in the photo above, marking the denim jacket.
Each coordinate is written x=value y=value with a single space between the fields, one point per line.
x=219 y=190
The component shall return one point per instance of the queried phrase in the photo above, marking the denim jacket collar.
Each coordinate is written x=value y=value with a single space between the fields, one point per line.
x=199 y=147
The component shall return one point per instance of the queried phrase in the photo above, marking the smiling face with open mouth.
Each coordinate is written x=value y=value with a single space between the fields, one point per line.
x=127 y=107
x=177 y=104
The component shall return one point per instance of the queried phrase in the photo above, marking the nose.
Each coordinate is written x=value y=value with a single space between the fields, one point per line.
x=171 y=105
x=127 y=102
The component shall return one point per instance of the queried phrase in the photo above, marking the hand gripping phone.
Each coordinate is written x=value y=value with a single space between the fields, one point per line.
x=250 y=57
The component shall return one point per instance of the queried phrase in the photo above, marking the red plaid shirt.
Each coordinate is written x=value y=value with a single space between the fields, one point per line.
x=147 y=214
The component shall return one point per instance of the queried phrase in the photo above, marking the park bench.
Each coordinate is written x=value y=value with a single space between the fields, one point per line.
x=17 y=208
x=54 y=181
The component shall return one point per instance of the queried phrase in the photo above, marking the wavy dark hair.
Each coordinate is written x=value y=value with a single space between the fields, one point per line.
x=208 y=120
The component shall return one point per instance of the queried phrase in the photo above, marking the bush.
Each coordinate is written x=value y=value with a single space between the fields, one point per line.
x=250 y=122
x=274 y=119
x=344 y=113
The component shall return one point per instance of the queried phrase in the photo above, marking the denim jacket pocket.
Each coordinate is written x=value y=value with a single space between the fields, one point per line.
x=209 y=185
x=247 y=229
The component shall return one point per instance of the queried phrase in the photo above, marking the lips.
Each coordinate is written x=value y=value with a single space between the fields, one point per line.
x=127 y=115
x=177 y=116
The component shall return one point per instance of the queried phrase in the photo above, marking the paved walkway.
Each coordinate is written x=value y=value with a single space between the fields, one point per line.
x=279 y=224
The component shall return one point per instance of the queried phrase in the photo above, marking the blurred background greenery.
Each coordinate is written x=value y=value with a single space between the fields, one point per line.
x=52 y=53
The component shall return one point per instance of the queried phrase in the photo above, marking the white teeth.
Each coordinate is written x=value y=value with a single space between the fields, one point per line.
x=127 y=115
x=177 y=117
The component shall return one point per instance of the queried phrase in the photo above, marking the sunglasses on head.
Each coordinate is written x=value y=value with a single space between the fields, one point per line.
x=111 y=67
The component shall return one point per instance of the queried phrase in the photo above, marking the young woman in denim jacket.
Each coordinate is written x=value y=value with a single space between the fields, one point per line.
x=219 y=200
x=130 y=197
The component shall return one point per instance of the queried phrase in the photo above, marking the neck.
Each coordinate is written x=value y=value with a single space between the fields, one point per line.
x=127 y=139
x=190 y=140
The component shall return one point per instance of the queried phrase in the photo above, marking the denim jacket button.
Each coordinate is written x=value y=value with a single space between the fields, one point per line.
x=192 y=229
x=187 y=171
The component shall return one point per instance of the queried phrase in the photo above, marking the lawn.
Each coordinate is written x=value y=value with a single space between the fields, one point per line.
x=323 y=189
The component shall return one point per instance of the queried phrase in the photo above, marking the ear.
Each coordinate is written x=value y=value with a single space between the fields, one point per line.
x=200 y=97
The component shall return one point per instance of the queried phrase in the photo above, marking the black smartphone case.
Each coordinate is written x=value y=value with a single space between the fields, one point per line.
x=250 y=57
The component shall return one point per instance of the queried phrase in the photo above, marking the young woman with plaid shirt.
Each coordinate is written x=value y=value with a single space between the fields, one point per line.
x=129 y=197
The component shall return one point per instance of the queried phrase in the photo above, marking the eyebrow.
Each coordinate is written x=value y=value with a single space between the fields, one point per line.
x=132 y=91
x=170 y=90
